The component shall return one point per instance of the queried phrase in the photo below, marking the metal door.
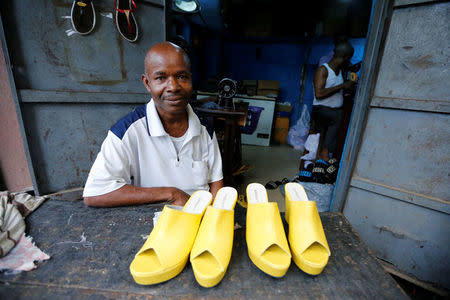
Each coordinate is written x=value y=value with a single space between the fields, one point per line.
x=394 y=185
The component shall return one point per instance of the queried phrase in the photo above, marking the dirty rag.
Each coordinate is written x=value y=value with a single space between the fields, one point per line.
x=14 y=207
x=12 y=224
x=23 y=256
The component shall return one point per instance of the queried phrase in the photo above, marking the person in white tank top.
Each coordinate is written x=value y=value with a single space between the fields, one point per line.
x=328 y=96
x=332 y=80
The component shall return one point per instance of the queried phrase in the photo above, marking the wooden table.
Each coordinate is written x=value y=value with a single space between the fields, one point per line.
x=230 y=144
x=99 y=267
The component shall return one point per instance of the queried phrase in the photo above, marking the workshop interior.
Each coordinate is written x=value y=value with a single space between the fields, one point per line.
x=378 y=206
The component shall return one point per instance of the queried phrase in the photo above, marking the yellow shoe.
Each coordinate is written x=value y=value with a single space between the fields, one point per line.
x=266 y=240
x=309 y=247
x=212 y=248
x=166 y=251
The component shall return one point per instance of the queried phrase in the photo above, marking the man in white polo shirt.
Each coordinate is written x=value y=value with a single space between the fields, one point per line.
x=160 y=151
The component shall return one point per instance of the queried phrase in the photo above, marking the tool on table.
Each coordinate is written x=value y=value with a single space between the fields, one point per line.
x=227 y=89
x=352 y=71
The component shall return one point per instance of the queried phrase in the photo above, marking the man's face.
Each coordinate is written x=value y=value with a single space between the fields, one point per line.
x=347 y=60
x=169 y=81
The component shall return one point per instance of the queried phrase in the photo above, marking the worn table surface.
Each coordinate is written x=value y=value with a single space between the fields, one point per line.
x=91 y=250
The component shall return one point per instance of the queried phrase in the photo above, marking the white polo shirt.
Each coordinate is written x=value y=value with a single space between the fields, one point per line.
x=138 y=151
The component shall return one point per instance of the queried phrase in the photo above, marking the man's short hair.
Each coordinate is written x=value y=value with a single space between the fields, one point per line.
x=344 y=49
x=340 y=39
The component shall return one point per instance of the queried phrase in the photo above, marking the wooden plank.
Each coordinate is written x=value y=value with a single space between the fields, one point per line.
x=68 y=195
x=389 y=226
x=427 y=201
x=412 y=2
x=415 y=64
x=407 y=150
x=372 y=55
x=390 y=268
x=17 y=106
x=67 y=138
x=39 y=96
x=441 y=106
x=91 y=250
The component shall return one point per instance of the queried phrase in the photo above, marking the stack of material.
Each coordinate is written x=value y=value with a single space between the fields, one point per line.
x=268 y=88
x=249 y=87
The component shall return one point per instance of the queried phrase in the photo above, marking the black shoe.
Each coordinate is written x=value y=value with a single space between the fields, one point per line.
x=82 y=16
x=318 y=172
x=333 y=161
x=306 y=174
x=331 y=173
x=332 y=170
x=125 y=22
x=271 y=185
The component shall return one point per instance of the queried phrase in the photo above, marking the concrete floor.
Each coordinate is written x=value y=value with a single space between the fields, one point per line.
x=270 y=163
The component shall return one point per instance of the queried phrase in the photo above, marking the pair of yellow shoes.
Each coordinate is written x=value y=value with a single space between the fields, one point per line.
x=177 y=233
x=266 y=240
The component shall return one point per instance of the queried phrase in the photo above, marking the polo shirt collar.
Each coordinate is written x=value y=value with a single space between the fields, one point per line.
x=156 y=128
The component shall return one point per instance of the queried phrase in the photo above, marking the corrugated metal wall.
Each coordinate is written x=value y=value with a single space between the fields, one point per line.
x=72 y=88
x=398 y=198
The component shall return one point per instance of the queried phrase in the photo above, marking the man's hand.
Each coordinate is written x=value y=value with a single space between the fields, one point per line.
x=214 y=187
x=349 y=85
x=133 y=195
x=178 y=197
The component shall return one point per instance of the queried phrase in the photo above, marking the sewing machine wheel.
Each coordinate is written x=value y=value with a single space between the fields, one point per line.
x=227 y=88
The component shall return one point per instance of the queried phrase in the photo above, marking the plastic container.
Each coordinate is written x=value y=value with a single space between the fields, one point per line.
x=283 y=114
x=280 y=129
x=253 y=114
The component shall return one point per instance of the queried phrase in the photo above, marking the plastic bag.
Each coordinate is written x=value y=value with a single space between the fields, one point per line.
x=317 y=192
x=299 y=132
x=320 y=193
x=311 y=144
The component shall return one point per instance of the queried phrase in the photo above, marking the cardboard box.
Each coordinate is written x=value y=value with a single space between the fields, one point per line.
x=251 y=91
x=268 y=88
x=268 y=85
x=249 y=87
x=267 y=93
x=250 y=83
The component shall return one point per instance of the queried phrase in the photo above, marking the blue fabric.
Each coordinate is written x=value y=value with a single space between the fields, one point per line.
x=305 y=174
x=121 y=127
x=321 y=161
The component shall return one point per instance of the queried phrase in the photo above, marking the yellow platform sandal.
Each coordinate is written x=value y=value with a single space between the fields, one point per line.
x=266 y=240
x=309 y=247
x=166 y=251
x=212 y=248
